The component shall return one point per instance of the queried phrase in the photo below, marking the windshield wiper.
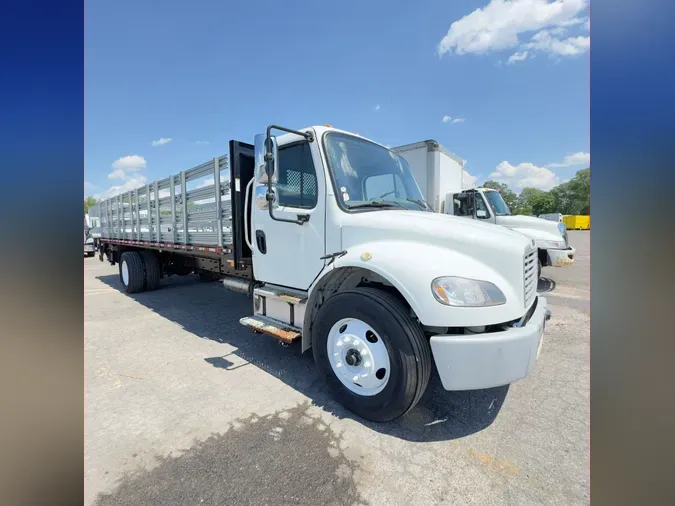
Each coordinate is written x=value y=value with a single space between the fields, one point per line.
x=379 y=203
x=420 y=203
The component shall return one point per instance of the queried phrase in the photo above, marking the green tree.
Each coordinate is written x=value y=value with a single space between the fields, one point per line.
x=574 y=196
x=536 y=202
x=89 y=202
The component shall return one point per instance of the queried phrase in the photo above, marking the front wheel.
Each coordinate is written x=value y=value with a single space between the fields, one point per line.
x=374 y=358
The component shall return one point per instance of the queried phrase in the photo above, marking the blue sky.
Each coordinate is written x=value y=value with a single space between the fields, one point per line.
x=512 y=76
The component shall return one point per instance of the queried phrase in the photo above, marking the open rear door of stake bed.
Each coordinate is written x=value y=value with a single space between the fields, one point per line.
x=193 y=221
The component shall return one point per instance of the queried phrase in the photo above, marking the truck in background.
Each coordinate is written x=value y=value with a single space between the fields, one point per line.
x=557 y=217
x=329 y=235
x=440 y=176
x=92 y=231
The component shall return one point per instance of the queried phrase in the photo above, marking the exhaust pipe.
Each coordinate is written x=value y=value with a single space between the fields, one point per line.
x=236 y=284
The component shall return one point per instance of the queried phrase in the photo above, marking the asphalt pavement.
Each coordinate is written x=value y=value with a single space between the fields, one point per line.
x=185 y=406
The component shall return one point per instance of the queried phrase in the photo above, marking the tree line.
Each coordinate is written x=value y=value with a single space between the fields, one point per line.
x=571 y=197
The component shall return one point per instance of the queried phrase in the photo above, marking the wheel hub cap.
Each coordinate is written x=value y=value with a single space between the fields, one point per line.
x=353 y=357
x=358 y=356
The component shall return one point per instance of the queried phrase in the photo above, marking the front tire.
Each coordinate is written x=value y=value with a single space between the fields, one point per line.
x=132 y=272
x=365 y=331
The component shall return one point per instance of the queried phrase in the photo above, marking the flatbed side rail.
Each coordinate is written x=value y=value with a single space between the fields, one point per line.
x=192 y=208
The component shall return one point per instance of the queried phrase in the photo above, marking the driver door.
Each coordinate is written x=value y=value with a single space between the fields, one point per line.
x=289 y=254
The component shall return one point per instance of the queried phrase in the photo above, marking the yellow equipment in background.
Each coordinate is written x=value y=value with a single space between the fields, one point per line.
x=577 y=222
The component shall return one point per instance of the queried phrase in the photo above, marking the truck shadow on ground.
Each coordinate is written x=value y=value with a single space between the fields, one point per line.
x=209 y=311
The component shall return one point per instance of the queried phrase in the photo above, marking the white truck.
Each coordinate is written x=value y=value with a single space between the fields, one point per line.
x=440 y=176
x=557 y=217
x=92 y=232
x=329 y=235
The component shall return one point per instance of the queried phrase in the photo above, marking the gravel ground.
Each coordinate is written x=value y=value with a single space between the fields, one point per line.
x=185 y=406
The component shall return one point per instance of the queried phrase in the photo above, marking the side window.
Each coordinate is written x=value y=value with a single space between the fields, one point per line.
x=481 y=207
x=296 y=178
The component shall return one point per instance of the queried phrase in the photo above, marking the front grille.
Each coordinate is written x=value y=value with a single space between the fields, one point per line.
x=530 y=276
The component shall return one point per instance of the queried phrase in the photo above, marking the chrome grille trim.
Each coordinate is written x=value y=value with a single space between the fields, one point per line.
x=529 y=275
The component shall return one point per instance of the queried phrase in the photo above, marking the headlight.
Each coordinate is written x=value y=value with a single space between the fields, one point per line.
x=462 y=292
x=562 y=228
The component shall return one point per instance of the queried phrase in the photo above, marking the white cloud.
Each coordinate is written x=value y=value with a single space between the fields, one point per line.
x=117 y=174
x=450 y=119
x=524 y=175
x=202 y=142
x=130 y=184
x=468 y=181
x=571 y=46
x=518 y=56
x=377 y=107
x=126 y=169
x=162 y=141
x=129 y=163
x=501 y=24
x=123 y=167
x=579 y=158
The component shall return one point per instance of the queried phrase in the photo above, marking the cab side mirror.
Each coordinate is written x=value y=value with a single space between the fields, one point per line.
x=266 y=157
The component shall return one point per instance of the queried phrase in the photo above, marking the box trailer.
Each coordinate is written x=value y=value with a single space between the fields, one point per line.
x=440 y=174
x=328 y=234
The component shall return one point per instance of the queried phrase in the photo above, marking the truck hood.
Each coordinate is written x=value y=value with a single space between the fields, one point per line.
x=464 y=235
x=536 y=228
x=414 y=247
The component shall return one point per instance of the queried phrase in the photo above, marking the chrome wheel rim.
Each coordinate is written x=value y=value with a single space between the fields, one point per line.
x=358 y=357
x=125 y=273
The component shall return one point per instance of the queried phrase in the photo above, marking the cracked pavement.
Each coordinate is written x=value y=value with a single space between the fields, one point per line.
x=185 y=406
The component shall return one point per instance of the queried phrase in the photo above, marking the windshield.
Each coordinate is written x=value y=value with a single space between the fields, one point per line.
x=497 y=202
x=368 y=175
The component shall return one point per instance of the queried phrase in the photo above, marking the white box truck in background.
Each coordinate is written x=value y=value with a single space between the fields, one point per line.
x=557 y=217
x=327 y=232
x=439 y=174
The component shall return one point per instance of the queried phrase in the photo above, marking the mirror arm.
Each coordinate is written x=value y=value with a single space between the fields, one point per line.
x=302 y=218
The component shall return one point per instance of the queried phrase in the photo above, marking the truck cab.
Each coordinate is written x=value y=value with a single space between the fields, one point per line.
x=487 y=204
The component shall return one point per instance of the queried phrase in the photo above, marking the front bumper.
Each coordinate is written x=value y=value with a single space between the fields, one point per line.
x=89 y=248
x=471 y=362
x=561 y=257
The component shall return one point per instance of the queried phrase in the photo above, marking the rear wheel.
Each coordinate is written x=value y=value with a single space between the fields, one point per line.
x=374 y=358
x=132 y=272
x=152 y=270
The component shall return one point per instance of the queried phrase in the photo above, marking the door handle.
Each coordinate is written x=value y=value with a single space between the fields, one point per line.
x=260 y=241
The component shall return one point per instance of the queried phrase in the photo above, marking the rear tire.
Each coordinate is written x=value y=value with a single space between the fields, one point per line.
x=132 y=272
x=408 y=354
x=152 y=270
